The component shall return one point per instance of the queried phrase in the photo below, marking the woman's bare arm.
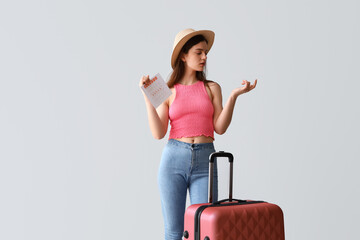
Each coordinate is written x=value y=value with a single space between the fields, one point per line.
x=223 y=116
x=158 y=118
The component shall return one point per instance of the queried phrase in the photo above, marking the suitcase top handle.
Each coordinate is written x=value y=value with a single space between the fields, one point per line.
x=221 y=154
x=212 y=157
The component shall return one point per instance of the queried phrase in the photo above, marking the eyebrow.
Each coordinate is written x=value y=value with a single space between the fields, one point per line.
x=201 y=49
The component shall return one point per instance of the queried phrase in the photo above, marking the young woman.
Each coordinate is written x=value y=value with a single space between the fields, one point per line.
x=195 y=111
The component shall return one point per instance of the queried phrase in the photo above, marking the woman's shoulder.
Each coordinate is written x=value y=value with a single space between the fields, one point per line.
x=213 y=89
x=213 y=85
x=170 y=99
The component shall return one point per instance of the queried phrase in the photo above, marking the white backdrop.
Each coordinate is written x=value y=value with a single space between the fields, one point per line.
x=77 y=159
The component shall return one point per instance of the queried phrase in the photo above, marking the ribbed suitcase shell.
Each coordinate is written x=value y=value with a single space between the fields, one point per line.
x=231 y=221
x=235 y=219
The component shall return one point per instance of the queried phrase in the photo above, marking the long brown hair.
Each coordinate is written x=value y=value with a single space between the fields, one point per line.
x=179 y=69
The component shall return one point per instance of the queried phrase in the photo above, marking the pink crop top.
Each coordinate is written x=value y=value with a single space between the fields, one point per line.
x=191 y=113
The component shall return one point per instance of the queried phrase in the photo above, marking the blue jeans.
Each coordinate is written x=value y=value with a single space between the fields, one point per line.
x=183 y=166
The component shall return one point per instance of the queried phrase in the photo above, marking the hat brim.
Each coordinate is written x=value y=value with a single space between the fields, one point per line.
x=209 y=36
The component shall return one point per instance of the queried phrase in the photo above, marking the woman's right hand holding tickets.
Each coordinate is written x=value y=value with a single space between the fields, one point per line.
x=143 y=80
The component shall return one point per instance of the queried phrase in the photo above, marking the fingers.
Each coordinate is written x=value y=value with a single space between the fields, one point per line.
x=248 y=86
x=144 y=80
x=254 y=85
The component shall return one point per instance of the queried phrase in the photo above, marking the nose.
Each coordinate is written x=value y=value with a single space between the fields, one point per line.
x=204 y=56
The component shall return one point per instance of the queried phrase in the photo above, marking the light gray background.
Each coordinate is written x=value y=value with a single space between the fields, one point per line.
x=77 y=159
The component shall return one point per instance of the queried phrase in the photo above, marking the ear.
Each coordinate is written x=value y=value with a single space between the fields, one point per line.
x=182 y=57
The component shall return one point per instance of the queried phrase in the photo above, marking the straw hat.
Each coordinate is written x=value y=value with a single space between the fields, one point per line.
x=183 y=36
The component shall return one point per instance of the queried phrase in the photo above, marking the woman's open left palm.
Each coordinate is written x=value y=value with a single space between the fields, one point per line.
x=246 y=88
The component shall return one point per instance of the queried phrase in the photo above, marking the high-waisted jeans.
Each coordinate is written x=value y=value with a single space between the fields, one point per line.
x=183 y=166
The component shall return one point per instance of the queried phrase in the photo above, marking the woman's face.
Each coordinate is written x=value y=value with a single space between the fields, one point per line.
x=196 y=57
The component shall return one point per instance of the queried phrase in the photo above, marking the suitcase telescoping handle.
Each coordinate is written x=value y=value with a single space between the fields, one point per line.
x=212 y=157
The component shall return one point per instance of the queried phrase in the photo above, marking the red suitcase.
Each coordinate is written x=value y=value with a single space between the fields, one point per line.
x=233 y=219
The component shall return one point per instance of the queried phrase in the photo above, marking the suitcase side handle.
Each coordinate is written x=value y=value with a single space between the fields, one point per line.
x=212 y=157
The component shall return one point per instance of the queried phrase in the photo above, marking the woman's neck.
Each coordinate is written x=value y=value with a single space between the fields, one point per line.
x=189 y=77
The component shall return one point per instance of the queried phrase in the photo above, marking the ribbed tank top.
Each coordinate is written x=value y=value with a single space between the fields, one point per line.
x=191 y=113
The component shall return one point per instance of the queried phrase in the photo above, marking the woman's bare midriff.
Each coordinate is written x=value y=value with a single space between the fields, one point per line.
x=197 y=139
